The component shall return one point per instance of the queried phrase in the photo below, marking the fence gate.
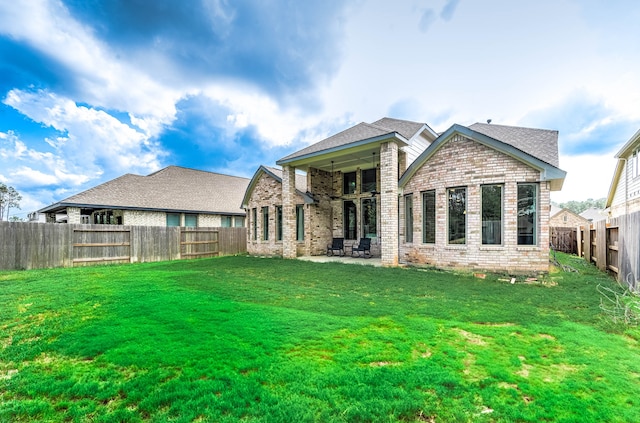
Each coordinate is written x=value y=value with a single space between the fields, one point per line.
x=101 y=245
x=199 y=242
x=564 y=239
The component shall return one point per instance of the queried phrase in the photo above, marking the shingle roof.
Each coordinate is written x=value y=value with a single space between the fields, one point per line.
x=171 y=188
x=301 y=180
x=360 y=132
x=594 y=215
x=405 y=128
x=540 y=143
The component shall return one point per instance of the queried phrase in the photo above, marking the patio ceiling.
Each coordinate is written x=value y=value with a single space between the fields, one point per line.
x=345 y=159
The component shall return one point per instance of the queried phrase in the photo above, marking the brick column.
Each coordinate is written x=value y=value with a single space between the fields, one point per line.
x=389 y=203
x=289 y=212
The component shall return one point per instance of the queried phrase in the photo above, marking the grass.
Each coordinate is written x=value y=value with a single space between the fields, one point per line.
x=270 y=340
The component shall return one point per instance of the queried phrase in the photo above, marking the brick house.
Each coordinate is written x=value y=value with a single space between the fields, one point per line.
x=173 y=196
x=472 y=197
x=564 y=218
x=624 y=193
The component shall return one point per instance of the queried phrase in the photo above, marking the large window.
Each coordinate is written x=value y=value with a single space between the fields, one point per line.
x=429 y=217
x=225 y=221
x=265 y=223
x=300 y=222
x=278 y=223
x=492 y=214
x=527 y=214
x=369 y=181
x=457 y=215
x=254 y=223
x=408 y=218
x=191 y=220
x=369 y=218
x=173 y=219
x=349 y=213
x=349 y=183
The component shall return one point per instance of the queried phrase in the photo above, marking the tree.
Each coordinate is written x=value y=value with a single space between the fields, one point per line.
x=580 y=206
x=9 y=199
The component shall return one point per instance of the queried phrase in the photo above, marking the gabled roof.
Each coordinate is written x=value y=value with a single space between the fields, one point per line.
x=173 y=188
x=406 y=128
x=540 y=143
x=549 y=172
x=622 y=155
x=275 y=173
x=363 y=133
x=554 y=210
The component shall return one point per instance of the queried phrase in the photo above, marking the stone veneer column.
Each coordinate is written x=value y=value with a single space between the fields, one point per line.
x=389 y=203
x=289 y=249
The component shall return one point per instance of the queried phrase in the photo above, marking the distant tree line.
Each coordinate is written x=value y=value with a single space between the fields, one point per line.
x=9 y=199
x=580 y=206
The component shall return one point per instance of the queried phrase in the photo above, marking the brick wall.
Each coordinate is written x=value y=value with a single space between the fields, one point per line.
x=144 y=218
x=567 y=219
x=267 y=192
x=464 y=163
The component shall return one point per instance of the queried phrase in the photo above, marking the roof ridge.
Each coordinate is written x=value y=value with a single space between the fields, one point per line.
x=513 y=126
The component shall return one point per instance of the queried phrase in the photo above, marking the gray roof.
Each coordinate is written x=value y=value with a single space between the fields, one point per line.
x=173 y=188
x=594 y=215
x=554 y=210
x=405 y=128
x=539 y=143
x=301 y=180
x=361 y=132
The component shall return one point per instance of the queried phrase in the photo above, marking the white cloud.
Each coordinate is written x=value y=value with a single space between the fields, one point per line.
x=102 y=79
x=94 y=139
x=588 y=176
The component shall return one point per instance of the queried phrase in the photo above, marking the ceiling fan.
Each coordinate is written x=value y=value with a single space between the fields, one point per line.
x=373 y=164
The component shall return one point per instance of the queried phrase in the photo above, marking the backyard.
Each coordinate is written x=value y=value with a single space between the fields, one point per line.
x=271 y=340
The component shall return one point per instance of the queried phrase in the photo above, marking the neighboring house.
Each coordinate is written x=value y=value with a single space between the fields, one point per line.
x=473 y=197
x=173 y=196
x=564 y=218
x=594 y=215
x=624 y=193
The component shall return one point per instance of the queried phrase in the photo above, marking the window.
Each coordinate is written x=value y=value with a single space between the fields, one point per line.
x=349 y=214
x=408 y=218
x=225 y=221
x=635 y=164
x=429 y=217
x=173 y=219
x=457 y=215
x=191 y=220
x=369 y=181
x=239 y=222
x=254 y=223
x=265 y=223
x=491 y=214
x=527 y=214
x=349 y=183
x=278 y=223
x=369 y=218
x=299 y=222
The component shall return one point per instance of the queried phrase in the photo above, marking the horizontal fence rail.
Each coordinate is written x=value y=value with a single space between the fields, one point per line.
x=614 y=247
x=28 y=245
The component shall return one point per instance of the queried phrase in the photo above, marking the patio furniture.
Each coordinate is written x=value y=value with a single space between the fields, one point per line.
x=337 y=244
x=363 y=249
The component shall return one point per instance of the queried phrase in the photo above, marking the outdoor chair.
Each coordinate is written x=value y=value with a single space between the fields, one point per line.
x=363 y=249
x=337 y=244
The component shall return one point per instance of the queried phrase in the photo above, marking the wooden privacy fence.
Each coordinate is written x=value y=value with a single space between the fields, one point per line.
x=564 y=239
x=43 y=245
x=614 y=247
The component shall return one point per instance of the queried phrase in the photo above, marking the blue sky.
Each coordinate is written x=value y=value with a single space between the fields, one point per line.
x=93 y=89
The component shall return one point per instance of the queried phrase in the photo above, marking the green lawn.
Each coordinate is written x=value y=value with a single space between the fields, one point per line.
x=255 y=339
